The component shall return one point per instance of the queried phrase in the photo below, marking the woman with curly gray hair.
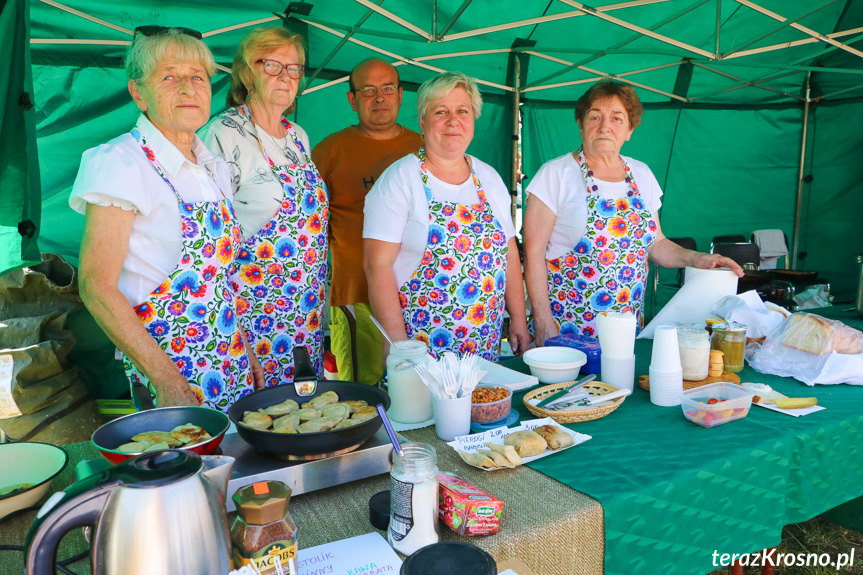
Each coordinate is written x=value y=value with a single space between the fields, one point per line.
x=438 y=241
x=160 y=235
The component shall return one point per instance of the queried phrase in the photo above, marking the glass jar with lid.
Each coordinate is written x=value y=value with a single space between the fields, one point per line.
x=410 y=399
x=730 y=339
x=264 y=528
x=413 y=498
x=694 y=344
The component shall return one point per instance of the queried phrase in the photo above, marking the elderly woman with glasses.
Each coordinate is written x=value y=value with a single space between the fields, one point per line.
x=160 y=235
x=438 y=240
x=281 y=202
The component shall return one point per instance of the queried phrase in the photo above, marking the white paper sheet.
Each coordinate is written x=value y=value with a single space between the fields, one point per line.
x=369 y=553
x=497 y=374
x=692 y=304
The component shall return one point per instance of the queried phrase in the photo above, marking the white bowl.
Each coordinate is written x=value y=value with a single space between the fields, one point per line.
x=554 y=364
x=36 y=463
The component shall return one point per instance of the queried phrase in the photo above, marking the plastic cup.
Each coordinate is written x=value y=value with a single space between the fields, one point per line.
x=451 y=416
x=618 y=371
x=616 y=333
x=666 y=387
x=666 y=353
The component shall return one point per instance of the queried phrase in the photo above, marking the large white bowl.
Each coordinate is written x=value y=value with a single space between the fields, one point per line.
x=36 y=463
x=554 y=364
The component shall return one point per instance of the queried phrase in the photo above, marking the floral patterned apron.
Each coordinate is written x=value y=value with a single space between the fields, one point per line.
x=607 y=268
x=282 y=272
x=191 y=315
x=454 y=301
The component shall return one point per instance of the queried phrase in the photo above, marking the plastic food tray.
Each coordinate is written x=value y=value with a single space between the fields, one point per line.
x=737 y=402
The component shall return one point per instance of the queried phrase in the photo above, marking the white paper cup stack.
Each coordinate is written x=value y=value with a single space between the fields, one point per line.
x=616 y=334
x=666 y=372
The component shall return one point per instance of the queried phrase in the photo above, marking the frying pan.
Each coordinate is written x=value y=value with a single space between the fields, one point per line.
x=308 y=444
x=796 y=277
x=119 y=431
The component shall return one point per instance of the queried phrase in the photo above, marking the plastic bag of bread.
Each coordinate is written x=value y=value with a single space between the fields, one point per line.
x=812 y=349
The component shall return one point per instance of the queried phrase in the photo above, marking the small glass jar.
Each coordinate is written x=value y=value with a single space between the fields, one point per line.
x=410 y=399
x=264 y=528
x=694 y=345
x=730 y=339
x=413 y=498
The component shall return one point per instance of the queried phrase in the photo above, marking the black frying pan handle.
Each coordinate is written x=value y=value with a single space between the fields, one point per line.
x=303 y=368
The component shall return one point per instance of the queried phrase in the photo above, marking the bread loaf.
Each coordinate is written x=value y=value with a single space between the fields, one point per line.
x=814 y=334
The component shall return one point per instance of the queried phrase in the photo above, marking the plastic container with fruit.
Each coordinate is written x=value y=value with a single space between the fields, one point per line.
x=716 y=403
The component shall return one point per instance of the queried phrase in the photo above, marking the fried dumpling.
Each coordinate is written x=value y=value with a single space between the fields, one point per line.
x=257 y=420
x=354 y=405
x=361 y=415
x=190 y=434
x=339 y=411
x=133 y=447
x=477 y=459
x=284 y=408
x=555 y=437
x=158 y=446
x=347 y=423
x=153 y=437
x=498 y=458
x=507 y=451
x=317 y=424
x=290 y=420
x=307 y=413
x=285 y=429
x=527 y=443
x=324 y=399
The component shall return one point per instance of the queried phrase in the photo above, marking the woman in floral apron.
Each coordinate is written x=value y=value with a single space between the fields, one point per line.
x=281 y=202
x=439 y=243
x=160 y=234
x=591 y=226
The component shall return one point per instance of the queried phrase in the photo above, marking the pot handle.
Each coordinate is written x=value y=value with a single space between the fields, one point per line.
x=79 y=506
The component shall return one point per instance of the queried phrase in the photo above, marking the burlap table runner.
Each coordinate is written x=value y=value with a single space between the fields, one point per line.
x=550 y=527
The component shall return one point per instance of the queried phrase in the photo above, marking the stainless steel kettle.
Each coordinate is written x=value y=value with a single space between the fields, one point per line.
x=161 y=512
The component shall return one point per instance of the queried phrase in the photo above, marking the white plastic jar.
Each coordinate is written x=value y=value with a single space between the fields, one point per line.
x=413 y=498
x=694 y=345
x=410 y=399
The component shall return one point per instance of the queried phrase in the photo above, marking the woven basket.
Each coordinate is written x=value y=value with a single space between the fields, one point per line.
x=594 y=388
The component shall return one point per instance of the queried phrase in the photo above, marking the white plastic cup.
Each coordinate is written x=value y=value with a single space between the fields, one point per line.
x=616 y=333
x=618 y=371
x=666 y=387
x=666 y=353
x=451 y=416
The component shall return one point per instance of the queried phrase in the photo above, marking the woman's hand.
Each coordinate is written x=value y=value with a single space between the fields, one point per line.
x=254 y=365
x=708 y=261
x=519 y=337
x=545 y=329
x=175 y=393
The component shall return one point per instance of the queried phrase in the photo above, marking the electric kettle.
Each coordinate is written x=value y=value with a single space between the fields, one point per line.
x=161 y=512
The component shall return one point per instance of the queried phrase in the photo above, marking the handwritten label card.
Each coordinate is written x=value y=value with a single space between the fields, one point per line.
x=367 y=554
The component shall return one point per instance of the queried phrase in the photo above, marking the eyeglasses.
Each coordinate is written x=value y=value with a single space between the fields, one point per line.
x=273 y=68
x=372 y=91
x=159 y=30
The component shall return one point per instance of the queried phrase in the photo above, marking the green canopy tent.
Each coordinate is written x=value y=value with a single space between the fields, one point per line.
x=727 y=85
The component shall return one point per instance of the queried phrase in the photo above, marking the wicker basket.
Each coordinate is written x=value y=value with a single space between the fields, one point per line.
x=594 y=388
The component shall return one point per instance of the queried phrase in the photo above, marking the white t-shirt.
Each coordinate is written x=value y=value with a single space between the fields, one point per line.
x=560 y=185
x=396 y=208
x=119 y=174
x=257 y=193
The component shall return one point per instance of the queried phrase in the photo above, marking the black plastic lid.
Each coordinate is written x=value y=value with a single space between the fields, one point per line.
x=157 y=468
x=449 y=557
x=379 y=510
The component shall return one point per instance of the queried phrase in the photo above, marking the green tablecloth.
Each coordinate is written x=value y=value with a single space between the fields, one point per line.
x=674 y=492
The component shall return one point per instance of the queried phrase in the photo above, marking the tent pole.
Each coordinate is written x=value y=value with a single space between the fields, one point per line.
x=799 y=207
x=515 y=117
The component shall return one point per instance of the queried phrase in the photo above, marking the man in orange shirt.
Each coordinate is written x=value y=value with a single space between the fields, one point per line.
x=350 y=161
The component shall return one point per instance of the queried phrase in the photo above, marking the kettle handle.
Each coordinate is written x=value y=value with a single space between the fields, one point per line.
x=79 y=506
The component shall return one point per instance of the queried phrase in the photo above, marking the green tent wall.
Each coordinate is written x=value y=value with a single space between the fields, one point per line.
x=727 y=158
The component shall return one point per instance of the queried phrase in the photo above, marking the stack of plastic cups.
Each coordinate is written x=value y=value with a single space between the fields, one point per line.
x=616 y=334
x=666 y=372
